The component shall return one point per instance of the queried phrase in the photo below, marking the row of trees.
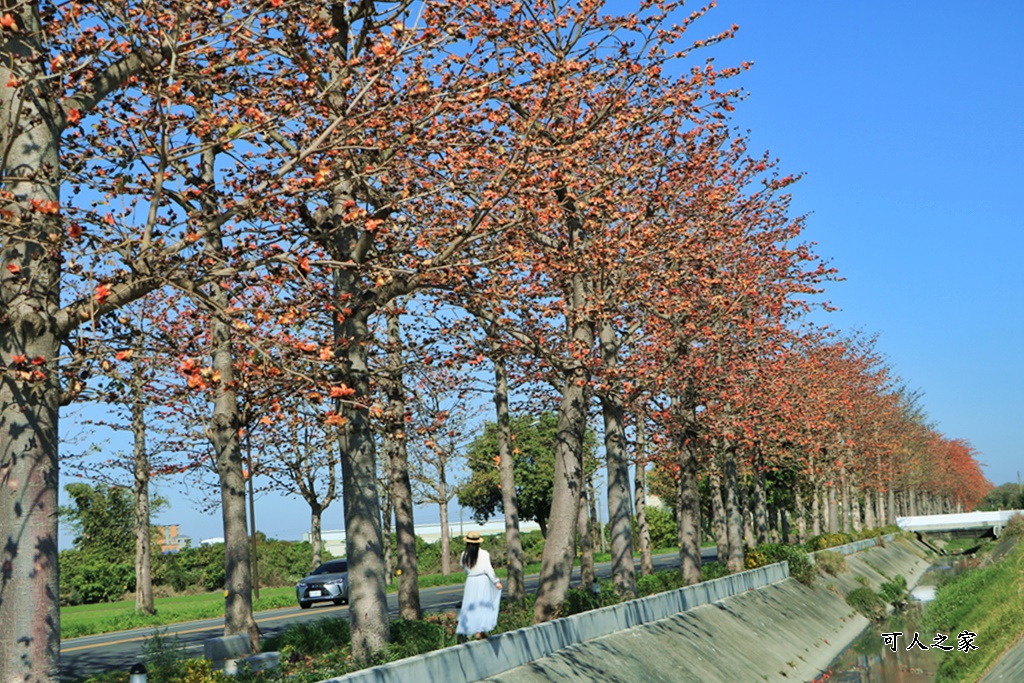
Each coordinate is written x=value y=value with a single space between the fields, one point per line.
x=99 y=567
x=317 y=213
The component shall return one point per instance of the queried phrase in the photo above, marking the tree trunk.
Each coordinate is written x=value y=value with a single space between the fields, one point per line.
x=585 y=542
x=596 y=532
x=398 y=478
x=515 y=584
x=32 y=326
x=815 y=509
x=746 y=516
x=619 y=513
x=733 y=512
x=640 y=491
x=557 y=560
x=223 y=432
x=688 y=512
x=718 y=515
x=833 y=509
x=880 y=503
x=869 y=511
x=316 y=538
x=446 y=532
x=855 y=518
x=363 y=540
x=891 y=506
x=845 y=492
x=385 y=532
x=143 y=552
x=29 y=304
x=801 y=516
x=760 y=500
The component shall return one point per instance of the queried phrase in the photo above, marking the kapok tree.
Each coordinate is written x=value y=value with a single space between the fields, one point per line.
x=562 y=224
x=60 y=61
x=373 y=213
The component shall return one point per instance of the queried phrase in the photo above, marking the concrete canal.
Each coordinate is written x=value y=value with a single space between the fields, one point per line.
x=872 y=658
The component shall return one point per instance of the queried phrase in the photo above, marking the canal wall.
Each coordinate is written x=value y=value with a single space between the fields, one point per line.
x=758 y=625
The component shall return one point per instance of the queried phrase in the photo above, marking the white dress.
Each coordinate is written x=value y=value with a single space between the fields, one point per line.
x=481 y=598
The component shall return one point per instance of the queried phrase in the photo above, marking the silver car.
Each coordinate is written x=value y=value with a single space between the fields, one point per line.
x=328 y=583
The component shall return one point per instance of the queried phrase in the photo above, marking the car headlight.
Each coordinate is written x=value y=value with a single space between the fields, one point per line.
x=335 y=582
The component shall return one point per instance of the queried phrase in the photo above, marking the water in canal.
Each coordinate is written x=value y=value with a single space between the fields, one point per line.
x=870 y=660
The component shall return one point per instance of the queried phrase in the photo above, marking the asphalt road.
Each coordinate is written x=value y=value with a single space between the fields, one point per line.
x=82 y=657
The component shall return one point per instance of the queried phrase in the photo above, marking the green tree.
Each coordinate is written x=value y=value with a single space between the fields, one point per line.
x=103 y=518
x=533 y=455
x=1004 y=497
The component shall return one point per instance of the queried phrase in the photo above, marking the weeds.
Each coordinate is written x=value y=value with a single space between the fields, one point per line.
x=895 y=592
x=829 y=562
x=867 y=602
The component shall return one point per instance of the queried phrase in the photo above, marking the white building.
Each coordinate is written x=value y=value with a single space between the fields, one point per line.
x=334 y=539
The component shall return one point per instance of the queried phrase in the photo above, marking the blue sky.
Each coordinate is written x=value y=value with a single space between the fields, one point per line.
x=907 y=121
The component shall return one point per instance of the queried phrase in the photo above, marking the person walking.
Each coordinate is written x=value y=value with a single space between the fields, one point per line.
x=482 y=594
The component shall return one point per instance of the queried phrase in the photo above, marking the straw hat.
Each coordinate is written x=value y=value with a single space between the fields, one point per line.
x=473 y=537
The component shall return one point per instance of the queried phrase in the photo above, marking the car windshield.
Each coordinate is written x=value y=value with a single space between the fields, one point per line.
x=335 y=567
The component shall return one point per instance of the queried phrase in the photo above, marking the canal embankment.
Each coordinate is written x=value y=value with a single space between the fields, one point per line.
x=759 y=625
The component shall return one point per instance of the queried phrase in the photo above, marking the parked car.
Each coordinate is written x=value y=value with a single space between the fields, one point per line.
x=328 y=583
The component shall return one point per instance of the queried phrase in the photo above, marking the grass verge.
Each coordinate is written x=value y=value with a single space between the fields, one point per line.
x=85 y=620
x=987 y=602
x=110 y=617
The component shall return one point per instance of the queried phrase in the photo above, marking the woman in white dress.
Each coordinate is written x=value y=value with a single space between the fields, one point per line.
x=482 y=595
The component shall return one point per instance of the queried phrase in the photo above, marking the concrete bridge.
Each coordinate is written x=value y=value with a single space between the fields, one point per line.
x=959 y=525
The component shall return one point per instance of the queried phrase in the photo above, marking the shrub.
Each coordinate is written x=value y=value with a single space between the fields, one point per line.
x=659 y=582
x=514 y=614
x=829 y=562
x=428 y=556
x=895 y=592
x=580 y=600
x=827 y=541
x=867 y=602
x=282 y=563
x=533 y=546
x=201 y=567
x=201 y=671
x=413 y=637
x=662 y=526
x=756 y=558
x=311 y=637
x=164 y=657
x=800 y=567
x=713 y=570
x=449 y=621
x=85 y=580
x=1014 y=527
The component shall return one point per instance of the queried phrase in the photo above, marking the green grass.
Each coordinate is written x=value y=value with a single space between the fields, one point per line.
x=988 y=602
x=84 y=620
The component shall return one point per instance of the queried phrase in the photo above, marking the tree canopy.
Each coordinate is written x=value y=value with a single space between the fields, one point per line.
x=533 y=451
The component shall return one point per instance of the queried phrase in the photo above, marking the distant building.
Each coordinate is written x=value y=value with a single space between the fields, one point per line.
x=170 y=540
x=334 y=540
